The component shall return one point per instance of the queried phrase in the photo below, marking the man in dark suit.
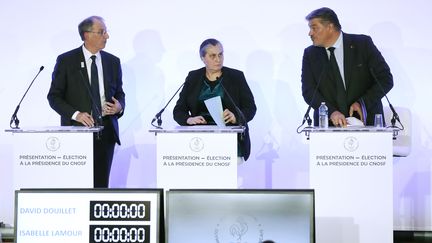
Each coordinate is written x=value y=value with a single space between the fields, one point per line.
x=216 y=80
x=86 y=90
x=349 y=87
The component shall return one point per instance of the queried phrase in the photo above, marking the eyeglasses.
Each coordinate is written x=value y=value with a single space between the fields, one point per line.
x=100 y=32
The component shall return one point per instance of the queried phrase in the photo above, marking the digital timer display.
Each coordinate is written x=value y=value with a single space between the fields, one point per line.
x=119 y=233
x=89 y=215
x=119 y=210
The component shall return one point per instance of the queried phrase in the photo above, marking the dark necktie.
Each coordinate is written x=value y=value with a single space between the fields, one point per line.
x=96 y=107
x=340 y=89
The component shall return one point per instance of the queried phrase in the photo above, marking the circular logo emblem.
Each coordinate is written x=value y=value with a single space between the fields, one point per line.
x=52 y=143
x=351 y=144
x=196 y=144
x=239 y=229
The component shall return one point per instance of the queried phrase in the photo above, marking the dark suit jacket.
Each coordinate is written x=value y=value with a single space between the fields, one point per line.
x=70 y=87
x=361 y=58
x=235 y=84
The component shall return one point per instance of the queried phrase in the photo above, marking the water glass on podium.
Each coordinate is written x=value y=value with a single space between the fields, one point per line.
x=378 y=122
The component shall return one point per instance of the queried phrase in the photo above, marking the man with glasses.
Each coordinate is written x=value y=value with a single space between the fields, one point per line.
x=86 y=90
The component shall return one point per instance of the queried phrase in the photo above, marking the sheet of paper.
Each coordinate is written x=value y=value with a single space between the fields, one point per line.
x=354 y=122
x=214 y=106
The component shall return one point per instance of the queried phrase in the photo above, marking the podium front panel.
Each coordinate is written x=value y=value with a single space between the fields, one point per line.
x=53 y=160
x=196 y=160
x=352 y=174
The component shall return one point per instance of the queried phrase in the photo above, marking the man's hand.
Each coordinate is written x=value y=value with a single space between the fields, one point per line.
x=356 y=107
x=338 y=119
x=85 y=118
x=111 y=108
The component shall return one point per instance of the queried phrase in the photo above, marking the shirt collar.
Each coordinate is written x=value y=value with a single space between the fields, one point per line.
x=339 y=41
x=88 y=54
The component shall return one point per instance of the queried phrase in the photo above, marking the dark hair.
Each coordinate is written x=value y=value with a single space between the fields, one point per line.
x=205 y=44
x=87 y=24
x=326 y=15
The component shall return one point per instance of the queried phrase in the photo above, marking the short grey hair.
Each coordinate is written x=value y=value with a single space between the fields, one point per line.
x=326 y=15
x=87 y=24
x=206 y=43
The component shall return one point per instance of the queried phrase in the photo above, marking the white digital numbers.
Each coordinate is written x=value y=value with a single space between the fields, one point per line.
x=117 y=233
x=106 y=212
x=119 y=210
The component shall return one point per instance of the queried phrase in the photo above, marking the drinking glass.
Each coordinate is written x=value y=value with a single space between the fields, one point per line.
x=378 y=122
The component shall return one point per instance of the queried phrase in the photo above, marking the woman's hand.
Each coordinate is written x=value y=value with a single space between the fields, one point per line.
x=196 y=120
x=229 y=117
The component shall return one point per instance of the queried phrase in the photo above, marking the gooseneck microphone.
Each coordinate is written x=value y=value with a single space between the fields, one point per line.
x=95 y=107
x=98 y=122
x=306 y=116
x=159 y=114
x=14 y=118
x=242 y=119
x=395 y=116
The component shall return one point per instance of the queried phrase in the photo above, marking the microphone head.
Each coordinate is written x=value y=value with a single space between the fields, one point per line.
x=41 y=68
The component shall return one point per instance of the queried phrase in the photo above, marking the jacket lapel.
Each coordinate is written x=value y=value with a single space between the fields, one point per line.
x=106 y=76
x=349 y=49
x=196 y=82
x=83 y=69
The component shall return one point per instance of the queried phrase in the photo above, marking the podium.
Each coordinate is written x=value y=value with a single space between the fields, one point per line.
x=197 y=157
x=351 y=170
x=49 y=157
x=53 y=157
